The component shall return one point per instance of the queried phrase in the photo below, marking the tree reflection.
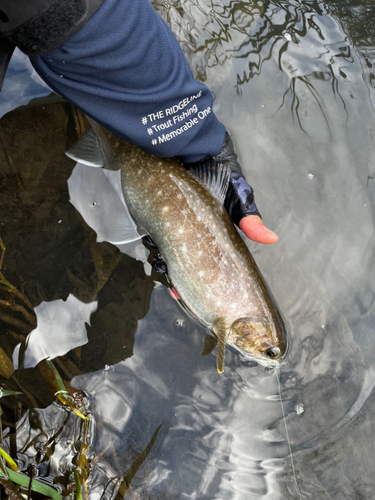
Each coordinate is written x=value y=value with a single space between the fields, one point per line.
x=216 y=34
x=210 y=32
x=357 y=20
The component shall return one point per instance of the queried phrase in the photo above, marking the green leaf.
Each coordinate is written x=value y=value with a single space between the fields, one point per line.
x=56 y=374
x=78 y=485
x=12 y=464
x=62 y=394
x=5 y=392
x=136 y=465
x=23 y=480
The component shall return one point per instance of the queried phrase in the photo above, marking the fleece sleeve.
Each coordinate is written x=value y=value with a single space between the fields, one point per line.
x=125 y=69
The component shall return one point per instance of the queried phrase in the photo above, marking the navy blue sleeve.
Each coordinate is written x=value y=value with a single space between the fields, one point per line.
x=125 y=69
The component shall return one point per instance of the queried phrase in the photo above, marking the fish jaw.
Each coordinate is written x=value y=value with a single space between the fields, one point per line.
x=258 y=338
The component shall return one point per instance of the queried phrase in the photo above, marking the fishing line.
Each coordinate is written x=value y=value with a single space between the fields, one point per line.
x=287 y=436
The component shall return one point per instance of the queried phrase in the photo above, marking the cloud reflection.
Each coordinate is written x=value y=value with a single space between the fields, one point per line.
x=21 y=84
x=61 y=328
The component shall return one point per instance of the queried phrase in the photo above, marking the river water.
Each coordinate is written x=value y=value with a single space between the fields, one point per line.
x=294 y=84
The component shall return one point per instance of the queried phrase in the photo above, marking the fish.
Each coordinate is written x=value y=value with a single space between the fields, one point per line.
x=207 y=261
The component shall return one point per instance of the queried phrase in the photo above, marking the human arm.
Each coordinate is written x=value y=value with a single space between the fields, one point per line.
x=125 y=69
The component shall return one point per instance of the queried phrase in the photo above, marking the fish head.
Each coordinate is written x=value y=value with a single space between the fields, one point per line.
x=263 y=339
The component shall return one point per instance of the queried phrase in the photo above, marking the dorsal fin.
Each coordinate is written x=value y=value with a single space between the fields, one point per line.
x=86 y=150
x=215 y=176
x=220 y=329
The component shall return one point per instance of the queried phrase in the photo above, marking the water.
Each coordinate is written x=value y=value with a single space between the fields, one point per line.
x=294 y=84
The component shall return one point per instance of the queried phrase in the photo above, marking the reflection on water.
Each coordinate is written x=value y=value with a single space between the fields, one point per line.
x=210 y=34
x=18 y=87
x=61 y=328
x=294 y=85
x=357 y=21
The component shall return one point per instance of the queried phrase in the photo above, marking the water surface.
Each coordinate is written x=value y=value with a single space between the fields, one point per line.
x=294 y=85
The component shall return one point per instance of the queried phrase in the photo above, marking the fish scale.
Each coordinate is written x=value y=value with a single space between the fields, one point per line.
x=190 y=274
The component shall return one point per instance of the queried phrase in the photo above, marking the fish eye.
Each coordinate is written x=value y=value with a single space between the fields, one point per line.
x=272 y=352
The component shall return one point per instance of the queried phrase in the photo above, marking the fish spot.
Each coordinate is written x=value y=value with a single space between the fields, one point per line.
x=199 y=253
x=165 y=208
x=181 y=230
x=200 y=273
x=162 y=170
x=246 y=296
x=159 y=193
x=167 y=224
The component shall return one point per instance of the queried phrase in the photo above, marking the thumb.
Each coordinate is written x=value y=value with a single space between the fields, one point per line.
x=253 y=227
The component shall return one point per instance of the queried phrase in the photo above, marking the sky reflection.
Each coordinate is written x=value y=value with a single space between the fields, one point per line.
x=61 y=328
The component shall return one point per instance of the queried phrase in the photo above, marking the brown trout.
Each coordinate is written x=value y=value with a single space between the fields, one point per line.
x=208 y=263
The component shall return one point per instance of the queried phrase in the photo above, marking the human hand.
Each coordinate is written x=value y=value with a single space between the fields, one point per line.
x=240 y=205
x=239 y=199
x=253 y=227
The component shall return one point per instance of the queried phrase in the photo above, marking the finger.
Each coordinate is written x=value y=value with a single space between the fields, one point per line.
x=253 y=227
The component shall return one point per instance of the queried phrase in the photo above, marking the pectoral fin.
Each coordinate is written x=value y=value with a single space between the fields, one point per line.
x=210 y=343
x=219 y=327
x=86 y=150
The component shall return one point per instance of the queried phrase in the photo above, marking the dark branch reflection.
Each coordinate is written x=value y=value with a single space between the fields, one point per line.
x=217 y=34
x=357 y=20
